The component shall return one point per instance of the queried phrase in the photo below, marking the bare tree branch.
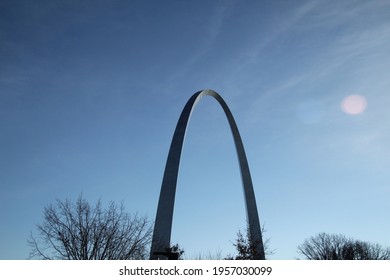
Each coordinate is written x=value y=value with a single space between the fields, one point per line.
x=326 y=246
x=79 y=231
x=246 y=247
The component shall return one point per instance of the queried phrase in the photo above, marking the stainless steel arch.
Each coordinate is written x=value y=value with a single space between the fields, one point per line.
x=163 y=223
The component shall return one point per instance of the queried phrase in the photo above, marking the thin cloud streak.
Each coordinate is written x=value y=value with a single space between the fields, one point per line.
x=252 y=55
x=348 y=50
x=205 y=46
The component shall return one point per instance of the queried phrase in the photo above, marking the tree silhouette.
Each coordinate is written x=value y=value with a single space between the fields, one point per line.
x=79 y=231
x=326 y=246
x=246 y=247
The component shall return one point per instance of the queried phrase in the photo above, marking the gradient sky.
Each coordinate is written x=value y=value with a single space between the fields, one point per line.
x=90 y=93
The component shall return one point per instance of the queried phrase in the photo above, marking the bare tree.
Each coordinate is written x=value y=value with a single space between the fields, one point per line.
x=79 y=231
x=246 y=247
x=326 y=246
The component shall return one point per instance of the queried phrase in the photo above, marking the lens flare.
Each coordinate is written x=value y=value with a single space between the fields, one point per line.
x=354 y=104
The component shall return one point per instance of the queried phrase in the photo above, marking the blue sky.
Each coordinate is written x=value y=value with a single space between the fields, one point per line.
x=90 y=93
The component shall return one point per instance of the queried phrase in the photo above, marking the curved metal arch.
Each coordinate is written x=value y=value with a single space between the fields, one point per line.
x=163 y=223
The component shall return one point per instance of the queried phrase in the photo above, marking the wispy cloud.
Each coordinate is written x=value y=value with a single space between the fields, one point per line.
x=252 y=54
x=347 y=56
x=215 y=26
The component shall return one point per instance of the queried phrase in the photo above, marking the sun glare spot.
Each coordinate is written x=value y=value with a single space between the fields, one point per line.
x=354 y=104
